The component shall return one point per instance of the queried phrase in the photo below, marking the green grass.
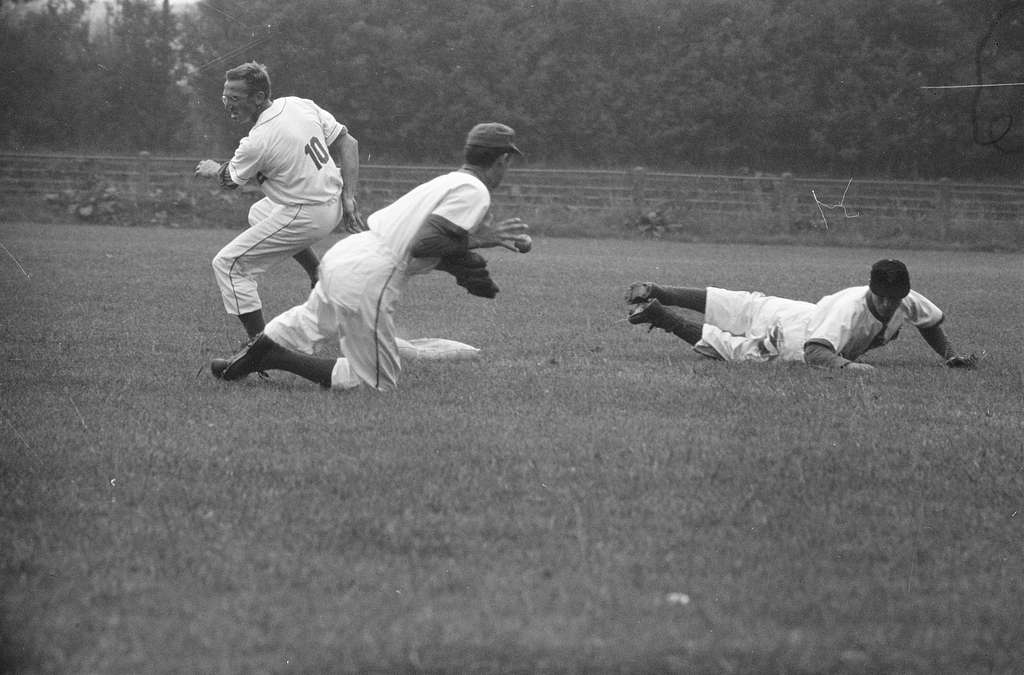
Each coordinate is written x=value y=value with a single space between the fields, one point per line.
x=530 y=512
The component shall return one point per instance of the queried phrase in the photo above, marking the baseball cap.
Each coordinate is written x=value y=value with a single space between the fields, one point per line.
x=890 y=279
x=493 y=135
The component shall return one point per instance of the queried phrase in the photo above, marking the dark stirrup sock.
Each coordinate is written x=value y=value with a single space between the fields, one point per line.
x=253 y=322
x=672 y=322
x=682 y=328
x=309 y=261
x=313 y=368
x=680 y=296
x=688 y=331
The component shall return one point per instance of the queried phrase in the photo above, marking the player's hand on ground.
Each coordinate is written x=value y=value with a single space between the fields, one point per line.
x=859 y=368
x=208 y=168
x=958 y=361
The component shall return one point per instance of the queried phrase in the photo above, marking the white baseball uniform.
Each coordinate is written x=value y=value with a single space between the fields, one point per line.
x=286 y=152
x=363 y=276
x=737 y=323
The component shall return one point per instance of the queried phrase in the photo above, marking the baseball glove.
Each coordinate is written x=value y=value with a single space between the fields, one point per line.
x=968 y=361
x=470 y=272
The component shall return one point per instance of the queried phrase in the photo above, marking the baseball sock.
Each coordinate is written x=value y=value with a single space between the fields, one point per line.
x=679 y=296
x=682 y=328
x=313 y=368
x=253 y=322
x=309 y=261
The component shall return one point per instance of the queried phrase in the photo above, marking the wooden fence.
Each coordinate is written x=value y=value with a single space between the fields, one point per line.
x=776 y=203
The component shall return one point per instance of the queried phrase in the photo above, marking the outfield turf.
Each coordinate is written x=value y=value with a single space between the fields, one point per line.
x=588 y=497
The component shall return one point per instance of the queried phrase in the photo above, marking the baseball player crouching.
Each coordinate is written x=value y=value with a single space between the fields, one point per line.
x=437 y=225
x=832 y=333
x=306 y=163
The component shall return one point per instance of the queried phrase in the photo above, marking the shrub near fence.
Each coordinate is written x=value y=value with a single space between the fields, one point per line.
x=146 y=189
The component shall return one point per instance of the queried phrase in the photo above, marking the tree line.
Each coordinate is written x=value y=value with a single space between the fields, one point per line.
x=806 y=86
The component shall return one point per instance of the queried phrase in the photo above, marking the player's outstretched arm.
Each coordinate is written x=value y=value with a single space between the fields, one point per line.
x=937 y=340
x=439 y=237
x=211 y=168
x=821 y=355
x=208 y=168
x=345 y=152
x=505 y=233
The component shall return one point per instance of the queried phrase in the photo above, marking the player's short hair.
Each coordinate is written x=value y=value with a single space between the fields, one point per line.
x=890 y=279
x=255 y=76
x=477 y=155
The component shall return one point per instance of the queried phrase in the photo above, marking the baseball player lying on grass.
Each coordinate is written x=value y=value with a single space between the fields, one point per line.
x=832 y=333
x=306 y=163
x=362 y=277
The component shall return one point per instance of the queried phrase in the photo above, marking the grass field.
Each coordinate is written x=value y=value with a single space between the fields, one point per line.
x=588 y=497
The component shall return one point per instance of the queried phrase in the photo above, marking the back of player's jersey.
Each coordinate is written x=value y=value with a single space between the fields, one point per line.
x=458 y=197
x=287 y=152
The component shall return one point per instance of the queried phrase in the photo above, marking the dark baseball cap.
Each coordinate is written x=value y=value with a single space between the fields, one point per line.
x=890 y=279
x=493 y=135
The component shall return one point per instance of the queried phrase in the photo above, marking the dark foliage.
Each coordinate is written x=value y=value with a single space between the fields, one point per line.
x=809 y=86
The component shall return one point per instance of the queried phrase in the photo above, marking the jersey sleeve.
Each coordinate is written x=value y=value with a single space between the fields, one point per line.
x=922 y=312
x=831 y=323
x=246 y=161
x=332 y=128
x=465 y=206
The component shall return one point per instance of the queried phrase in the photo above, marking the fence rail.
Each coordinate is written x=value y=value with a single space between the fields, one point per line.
x=780 y=202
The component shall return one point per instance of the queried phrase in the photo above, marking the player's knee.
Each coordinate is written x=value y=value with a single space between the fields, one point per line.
x=222 y=265
x=387 y=377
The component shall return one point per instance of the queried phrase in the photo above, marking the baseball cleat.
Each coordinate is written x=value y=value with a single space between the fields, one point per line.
x=639 y=292
x=245 y=361
x=645 y=312
x=218 y=366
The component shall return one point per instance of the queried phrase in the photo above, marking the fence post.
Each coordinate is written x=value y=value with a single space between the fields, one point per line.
x=142 y=186
x=639 y=199
x=787 y=203
x=945 y=208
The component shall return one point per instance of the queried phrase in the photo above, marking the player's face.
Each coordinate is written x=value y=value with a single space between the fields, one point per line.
x=885 y=307
x=241 y=104
x=496 y=173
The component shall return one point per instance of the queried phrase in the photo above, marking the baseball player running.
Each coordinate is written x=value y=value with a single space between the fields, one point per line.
x=307 y=165
x=437 y=225
x=832 y=333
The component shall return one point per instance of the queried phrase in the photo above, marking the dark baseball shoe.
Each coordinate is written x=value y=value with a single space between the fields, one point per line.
x=645 y=312
x=640 y=292
x=218 y=366
x=244 y=361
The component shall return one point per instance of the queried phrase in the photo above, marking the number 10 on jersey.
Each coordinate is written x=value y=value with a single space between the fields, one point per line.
x=316 y=151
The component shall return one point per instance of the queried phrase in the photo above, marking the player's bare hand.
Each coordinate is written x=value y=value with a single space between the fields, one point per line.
x=208 y=168
x=859 y=368
x=348 y=203
x=351 y=219
x=504 y=233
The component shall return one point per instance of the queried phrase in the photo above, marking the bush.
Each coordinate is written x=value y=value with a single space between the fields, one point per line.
x=107 y=204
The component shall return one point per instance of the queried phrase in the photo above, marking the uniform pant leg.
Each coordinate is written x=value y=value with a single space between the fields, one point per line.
x=733 y=347
x=308 y=326
x=275 y=233
x=360 y=284
x=368 y=335
x=732 y=311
